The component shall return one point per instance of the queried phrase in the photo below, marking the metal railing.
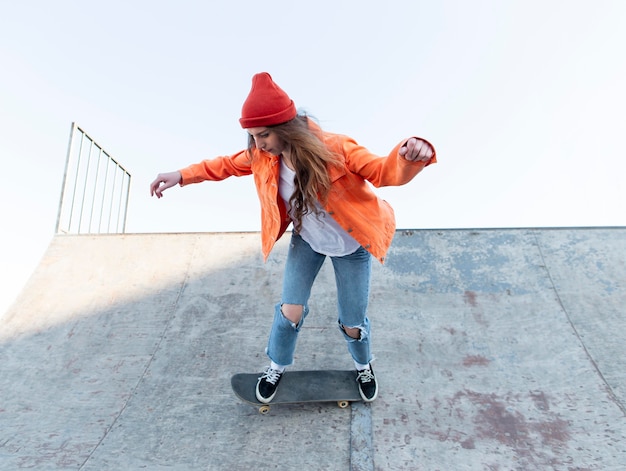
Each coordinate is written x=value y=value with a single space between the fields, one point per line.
x=95 y=190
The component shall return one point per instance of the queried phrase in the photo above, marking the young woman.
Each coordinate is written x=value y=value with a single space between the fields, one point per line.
x=317 y=181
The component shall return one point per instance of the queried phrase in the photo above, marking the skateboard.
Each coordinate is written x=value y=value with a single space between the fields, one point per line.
x=298 y=387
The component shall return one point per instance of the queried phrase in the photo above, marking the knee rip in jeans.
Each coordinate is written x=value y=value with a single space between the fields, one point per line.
x=293 y=318
x=362 y=332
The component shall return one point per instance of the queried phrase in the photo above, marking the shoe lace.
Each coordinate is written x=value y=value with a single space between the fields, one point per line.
x=271 y=376
x=365 y=376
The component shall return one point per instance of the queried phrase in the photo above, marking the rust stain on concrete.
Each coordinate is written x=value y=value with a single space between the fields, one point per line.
x=475 y=360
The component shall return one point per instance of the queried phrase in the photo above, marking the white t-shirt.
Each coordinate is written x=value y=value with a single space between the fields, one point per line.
x=320 y=231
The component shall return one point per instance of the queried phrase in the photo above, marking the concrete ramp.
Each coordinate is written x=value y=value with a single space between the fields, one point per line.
x=496 y=350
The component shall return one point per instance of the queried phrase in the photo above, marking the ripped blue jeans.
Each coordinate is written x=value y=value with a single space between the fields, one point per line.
x=352 y=276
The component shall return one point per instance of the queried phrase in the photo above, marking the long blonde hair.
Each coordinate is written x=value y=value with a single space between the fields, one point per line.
x=311 y=159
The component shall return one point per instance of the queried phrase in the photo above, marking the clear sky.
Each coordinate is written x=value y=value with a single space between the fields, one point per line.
x=523 y=99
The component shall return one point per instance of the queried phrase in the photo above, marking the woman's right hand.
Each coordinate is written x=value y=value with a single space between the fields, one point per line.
x=164 y=181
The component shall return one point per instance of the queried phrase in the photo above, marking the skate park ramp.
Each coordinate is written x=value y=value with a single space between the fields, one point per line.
x=496 y=349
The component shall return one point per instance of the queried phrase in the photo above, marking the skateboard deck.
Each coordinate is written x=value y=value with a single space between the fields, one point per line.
x=298 y=387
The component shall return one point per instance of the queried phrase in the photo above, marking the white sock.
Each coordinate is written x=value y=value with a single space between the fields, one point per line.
x=361 y=367
x=277 y=367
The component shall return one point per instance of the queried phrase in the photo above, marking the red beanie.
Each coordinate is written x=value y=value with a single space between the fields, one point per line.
x=267 y=104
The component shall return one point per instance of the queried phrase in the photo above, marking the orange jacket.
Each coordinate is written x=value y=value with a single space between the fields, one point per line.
x=351 y=202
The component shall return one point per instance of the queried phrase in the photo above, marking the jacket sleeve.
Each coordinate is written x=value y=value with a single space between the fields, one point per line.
x=216 y=169
x=392 y=170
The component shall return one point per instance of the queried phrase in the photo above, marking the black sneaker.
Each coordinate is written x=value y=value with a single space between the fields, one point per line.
x=368 y=387
x=267 y=384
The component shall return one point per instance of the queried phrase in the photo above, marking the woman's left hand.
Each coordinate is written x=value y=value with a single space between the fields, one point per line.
x=417 y=150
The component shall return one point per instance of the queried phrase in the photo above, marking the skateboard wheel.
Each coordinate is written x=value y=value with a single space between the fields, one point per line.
x=343 y=404
x=264 y=410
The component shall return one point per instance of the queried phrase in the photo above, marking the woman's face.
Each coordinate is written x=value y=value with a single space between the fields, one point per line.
x=267 y=140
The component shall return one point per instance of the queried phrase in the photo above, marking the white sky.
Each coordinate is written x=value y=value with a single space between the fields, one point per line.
x=524 y=101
